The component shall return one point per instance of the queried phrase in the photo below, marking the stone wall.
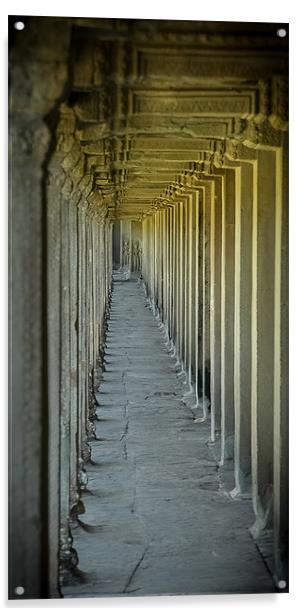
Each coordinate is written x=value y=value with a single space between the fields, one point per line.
x=38 y=74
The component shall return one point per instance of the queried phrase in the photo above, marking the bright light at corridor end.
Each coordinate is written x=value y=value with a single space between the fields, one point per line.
x=19 y=25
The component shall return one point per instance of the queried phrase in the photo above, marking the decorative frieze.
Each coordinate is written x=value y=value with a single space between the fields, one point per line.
x=193 y=102
x=230 y=64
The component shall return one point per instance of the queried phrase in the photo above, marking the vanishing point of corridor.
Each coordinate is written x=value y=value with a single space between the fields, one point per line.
x=158 y=519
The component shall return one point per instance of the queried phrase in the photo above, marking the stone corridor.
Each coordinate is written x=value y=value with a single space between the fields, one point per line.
x=158 y=519
x=148 y=165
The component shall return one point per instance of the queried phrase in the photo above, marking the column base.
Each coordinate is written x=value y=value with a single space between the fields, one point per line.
x=86 y=452
x=91 y=433
x=201 y=406
x=82 y=475
x=68 y=557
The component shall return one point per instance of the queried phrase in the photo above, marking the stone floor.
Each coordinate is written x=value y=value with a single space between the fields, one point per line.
x=159 y=519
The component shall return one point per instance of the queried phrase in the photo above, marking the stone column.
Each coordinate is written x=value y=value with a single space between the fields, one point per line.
x=90 y=414
x=191 y=289
x=160 y=263
x=170 y=275
x=148 y=265
x=130 y=247
x=72 y=281
x=207 y=266
x=281 y=454
x=150 y=251
x=185 y=297
x=153 y=274
x=216 y=260
x=56 y=179
x=207 y=208
x=201 y=199
x=84 y=447
x=227 y=316
x=144 y=250
x=166 y=248
x=94 y=288
x=263 y=306
x=188 y=327
x=188 y=289
x=156 y=260
x=67 y=555
x=121 y=244
x=213 y=282
x=175 y=277
x=203 y=267
x=38 y=55
x=180 y=257
x=195 y=283
x=110 y=223
x=245 y=181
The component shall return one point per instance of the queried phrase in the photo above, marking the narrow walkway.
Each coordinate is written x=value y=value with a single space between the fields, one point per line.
x=157 y=519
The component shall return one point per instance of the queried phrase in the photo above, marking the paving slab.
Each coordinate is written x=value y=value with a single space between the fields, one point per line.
x=158 y=518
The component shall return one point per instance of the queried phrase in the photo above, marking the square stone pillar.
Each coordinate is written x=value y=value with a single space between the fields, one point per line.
x=71 y=282
x=281 y=428
x=262 y=379
x=67 y=556
x=215 y=307
x=53 y=352
x=82 y=342
x=245 y=182
x=38 y=76
x=227 y=314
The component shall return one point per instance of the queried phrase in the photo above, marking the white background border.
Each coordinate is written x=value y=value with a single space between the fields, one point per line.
x=215 y=10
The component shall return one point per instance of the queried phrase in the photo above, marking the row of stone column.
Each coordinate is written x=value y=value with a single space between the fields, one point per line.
x=215 y=270
x=79 y=260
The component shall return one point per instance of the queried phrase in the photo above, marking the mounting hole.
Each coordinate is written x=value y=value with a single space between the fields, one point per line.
x=281 y=32
x=19 y=590
x=19 y=25
x=282 y=584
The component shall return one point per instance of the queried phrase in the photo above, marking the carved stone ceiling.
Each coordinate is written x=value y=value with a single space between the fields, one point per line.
x=151 y=97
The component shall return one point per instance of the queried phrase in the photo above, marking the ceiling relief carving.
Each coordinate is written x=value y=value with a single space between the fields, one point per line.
x=153 y=99
x=193 y=103
x=237 y=64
